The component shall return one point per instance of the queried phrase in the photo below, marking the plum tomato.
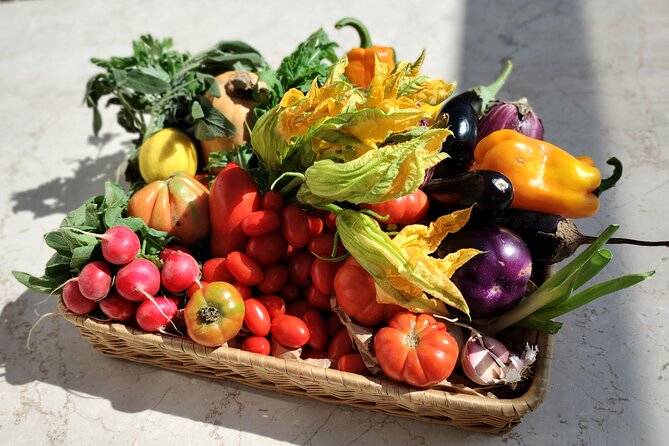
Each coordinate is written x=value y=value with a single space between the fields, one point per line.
x=290 y=331
x=356 y=295
x=256 y=344
x=256 y=317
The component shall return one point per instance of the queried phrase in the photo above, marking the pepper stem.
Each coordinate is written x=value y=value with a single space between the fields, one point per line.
x=611 y=181
x=487 y=93
x=363 y=32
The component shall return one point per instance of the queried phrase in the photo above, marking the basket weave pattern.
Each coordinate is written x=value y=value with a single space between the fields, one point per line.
x=292 y=377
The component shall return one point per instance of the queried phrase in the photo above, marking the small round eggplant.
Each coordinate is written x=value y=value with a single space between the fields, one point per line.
x=493 y=281
x=488 y=191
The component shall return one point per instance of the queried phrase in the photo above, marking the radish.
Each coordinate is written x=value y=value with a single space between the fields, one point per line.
x=179 y=271
x=154 y=315
x=120 y=245
x=117 y=308
x=171 y=249
x=95 y=280
x=76 y=302
x=138 y=280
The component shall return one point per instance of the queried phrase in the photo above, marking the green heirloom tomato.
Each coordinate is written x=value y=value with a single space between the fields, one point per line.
x=214 y=314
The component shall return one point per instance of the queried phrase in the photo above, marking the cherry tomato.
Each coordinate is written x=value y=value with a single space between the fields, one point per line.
x=333 y=324
x=272 y=201
x=266 y=249
x=315 y=225
x=340 y=344
x=244 y=290
x=260 y=222
x=413 y=349
x=318 y=299
x=323 y=275
x=352 y=362
x=331 y=222
x=290 y=292
x=243 y=268
x=318 y=332
x=256 y=344
x=256 y=317
x=214 y=314
x=298 y=308
x=299 y=267
x=214 y=270
x=295 y=226
x=356 y=295
x=405 y=210
x=194 y=287
x=276 y=276
x=290 y=331
x=310 y=353
x=322 y=244
x=274 y=304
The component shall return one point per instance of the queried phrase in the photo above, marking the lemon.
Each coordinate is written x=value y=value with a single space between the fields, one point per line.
x=165 y=153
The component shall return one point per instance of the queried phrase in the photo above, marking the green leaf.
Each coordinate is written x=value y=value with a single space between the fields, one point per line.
x=114 y=196
x=213 y=124
x=58 y=265
x=535 y=323
x=196 y=111
x=81 y=255
x=38 y=284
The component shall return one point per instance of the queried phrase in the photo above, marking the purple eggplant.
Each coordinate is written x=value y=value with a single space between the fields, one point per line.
x=493 y=281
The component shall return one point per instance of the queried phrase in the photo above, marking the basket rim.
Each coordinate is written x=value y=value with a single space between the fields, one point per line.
x=527 y=402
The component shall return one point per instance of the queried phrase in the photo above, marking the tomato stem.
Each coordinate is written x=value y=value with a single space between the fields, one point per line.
x=208 y=315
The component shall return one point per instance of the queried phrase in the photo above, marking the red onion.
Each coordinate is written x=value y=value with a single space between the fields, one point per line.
x=517 y=116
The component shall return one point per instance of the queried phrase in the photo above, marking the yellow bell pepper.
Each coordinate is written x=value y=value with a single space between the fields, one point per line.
x=545 y=178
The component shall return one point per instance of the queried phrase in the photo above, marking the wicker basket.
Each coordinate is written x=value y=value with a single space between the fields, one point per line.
x=292 y=377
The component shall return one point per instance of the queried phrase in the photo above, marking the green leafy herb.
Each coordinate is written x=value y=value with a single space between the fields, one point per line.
x=75 y=246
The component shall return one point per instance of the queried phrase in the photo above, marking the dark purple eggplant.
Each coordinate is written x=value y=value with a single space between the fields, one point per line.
x=489 y=192
x=493 y=281
x=463 y=113
x=552 y=238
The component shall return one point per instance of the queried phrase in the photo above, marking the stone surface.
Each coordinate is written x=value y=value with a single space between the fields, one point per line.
x=594 y=71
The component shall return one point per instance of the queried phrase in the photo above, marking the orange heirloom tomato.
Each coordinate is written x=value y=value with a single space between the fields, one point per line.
x=214 y=314
x=415 y=350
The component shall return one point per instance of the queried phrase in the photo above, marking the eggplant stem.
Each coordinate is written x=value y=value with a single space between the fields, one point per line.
x=611 y=181
x=587 y=239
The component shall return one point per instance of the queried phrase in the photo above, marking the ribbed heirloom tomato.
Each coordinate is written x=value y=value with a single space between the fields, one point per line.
x=214 y=314
x=415 y=350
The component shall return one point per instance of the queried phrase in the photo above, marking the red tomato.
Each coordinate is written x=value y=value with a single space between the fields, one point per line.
x=295 y=226
x=256 y=344
x=298 y=308
x=299 y=267
x=276 y=276
x=356 y=295
x=413 y=349
x=243 y=268
x=266 y=249
x=290 y=331
x=260 y=222
x=272 y=201
x=214 y=270
x=322 y=244
x=194 y=287
x=340 y=344
x=331 y=222
x=405 y=210
x=389 y=312
x=318 y=332
x=352 y=362
x=274 y=304
x=318 y=299
x=256 y=317
x=315 y=225
x=333 y=324
x=244 y=290
x=323 y=275
x=310 y=353
x=290 y=292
